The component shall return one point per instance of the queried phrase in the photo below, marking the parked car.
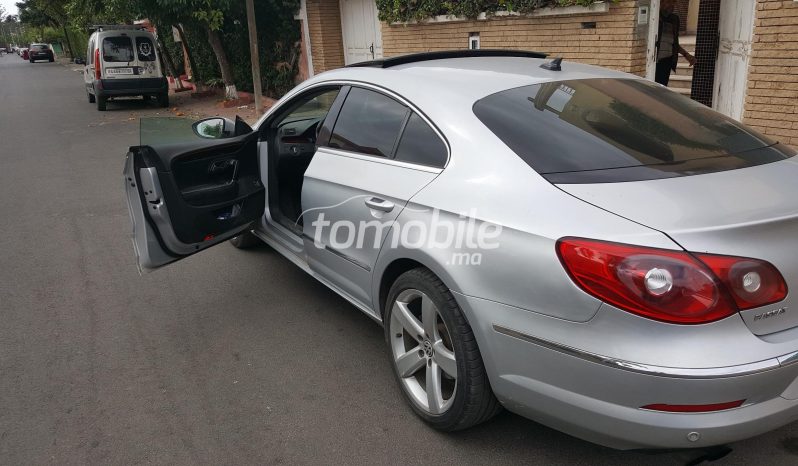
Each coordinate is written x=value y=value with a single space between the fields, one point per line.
x=23 y=52
x=122 y=61
x=578 y=245
x=40 y=52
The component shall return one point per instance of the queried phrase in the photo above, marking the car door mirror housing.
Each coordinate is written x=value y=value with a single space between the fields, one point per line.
x=215 y=128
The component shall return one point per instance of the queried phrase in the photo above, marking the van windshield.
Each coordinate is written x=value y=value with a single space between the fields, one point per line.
x=610 y=130
x=117 y=49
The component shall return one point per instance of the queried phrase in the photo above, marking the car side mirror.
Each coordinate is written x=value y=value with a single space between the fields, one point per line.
x=214 y=128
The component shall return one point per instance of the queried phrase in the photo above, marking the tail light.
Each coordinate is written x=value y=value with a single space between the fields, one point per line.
x=97 y=71
x=670 y=286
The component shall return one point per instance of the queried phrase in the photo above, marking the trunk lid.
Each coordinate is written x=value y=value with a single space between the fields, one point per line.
x=751 y=212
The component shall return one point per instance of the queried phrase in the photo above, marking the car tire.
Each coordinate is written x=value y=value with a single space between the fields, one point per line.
x=451 y=342
x=163 y=100
x=32 y=61
x=51 y=60
x=246 y=240
x=90 y=96
x=101 y=101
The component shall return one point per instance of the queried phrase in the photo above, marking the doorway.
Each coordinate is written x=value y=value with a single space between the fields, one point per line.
x=360 y=28
x=719 y=34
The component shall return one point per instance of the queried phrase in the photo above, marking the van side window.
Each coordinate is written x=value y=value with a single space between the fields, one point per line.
x=369 y=123
x=117 y=49
x=145 y=49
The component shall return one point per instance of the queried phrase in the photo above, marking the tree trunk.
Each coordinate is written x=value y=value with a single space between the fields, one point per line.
x=69 y=43
x=168 y=63
x=230 y=91
x=196 y=78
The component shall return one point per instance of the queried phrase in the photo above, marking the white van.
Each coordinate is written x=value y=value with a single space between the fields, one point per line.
x=123 y=61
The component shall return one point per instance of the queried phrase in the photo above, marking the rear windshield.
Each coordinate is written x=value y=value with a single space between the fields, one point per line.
x=605 y=130
x=117 y=49
x=38 y=47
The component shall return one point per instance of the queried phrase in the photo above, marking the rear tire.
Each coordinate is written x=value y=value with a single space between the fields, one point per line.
x=246 y=240
x=419 y=302
x=51 y=60
x=163 y=100
x=101 y=101
x=90 y=96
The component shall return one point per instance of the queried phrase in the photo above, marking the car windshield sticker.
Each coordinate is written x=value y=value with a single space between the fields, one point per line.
x=145 y=49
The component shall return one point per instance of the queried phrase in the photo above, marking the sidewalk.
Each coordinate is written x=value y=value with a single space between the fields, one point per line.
x=182 y=104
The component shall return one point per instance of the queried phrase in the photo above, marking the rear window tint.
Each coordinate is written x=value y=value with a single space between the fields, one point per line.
x=592 y=125
x=117 y=49
x=39 y=47
x=421 y=145
x=145 y=49
x=369 y=123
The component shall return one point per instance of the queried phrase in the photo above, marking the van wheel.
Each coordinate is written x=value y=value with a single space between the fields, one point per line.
x=246 y=240
x=435 y=355
x=101 y=103
x=90 y=96
x=163 y=100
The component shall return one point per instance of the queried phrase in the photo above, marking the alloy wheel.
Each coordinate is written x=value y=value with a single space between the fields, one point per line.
x=423 y=354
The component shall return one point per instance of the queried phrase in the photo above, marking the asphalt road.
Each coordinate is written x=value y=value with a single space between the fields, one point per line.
x=228 y=357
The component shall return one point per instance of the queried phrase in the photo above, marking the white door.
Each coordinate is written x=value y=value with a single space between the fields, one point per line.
x=361 y=31
x=734 y=52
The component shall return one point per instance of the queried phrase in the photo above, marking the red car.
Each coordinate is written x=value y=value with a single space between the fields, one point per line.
x=24 y=54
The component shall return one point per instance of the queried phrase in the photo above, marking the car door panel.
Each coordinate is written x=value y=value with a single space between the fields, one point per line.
x=184 y=198
x=357 y=192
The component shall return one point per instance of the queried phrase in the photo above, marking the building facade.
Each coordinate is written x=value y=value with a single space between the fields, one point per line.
x=747 y=50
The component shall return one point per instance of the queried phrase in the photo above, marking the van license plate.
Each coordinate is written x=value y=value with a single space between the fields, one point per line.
x=111 y=71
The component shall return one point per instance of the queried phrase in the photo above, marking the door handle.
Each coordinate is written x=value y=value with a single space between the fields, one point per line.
x=371 y=49
x=379 y=204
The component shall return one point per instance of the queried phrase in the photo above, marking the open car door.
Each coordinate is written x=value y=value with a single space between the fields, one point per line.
x=190 y=187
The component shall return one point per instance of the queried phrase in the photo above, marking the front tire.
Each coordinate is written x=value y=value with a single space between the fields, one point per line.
x=90 y=96
x=435 y=355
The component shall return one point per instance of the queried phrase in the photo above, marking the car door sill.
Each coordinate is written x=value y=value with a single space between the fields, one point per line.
x=302 y=264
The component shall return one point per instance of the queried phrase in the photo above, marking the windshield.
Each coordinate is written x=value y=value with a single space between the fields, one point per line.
x=599 y=130
x=117 y=49
x=38 y=47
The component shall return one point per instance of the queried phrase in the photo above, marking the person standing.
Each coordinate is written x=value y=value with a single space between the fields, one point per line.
x=668 y=48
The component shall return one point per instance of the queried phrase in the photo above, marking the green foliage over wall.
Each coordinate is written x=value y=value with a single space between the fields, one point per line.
x=408 y=10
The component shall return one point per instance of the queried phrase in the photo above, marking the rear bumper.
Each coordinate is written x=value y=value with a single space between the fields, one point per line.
x=600 y=399
x=104 y=88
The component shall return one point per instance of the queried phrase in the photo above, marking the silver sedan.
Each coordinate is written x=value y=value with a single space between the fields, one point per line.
x=577 y=245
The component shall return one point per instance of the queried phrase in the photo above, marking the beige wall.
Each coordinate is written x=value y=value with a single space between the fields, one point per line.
x=771 y=105
x=615 y=43
x=324 y=26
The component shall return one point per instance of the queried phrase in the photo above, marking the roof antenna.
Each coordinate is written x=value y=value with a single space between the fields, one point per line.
x=553 y=65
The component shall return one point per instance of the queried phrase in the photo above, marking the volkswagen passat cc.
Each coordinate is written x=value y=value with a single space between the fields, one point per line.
x=577 y=245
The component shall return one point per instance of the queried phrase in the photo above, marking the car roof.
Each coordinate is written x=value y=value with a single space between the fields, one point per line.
x=467 y=78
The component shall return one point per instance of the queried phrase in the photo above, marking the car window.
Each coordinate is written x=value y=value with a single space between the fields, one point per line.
x=420 y=144
x=369 y=123
x=314 y=108
x=38 y=47
x=585 y=130
x=90 y=53
x=117 y=49
x=145 y=49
